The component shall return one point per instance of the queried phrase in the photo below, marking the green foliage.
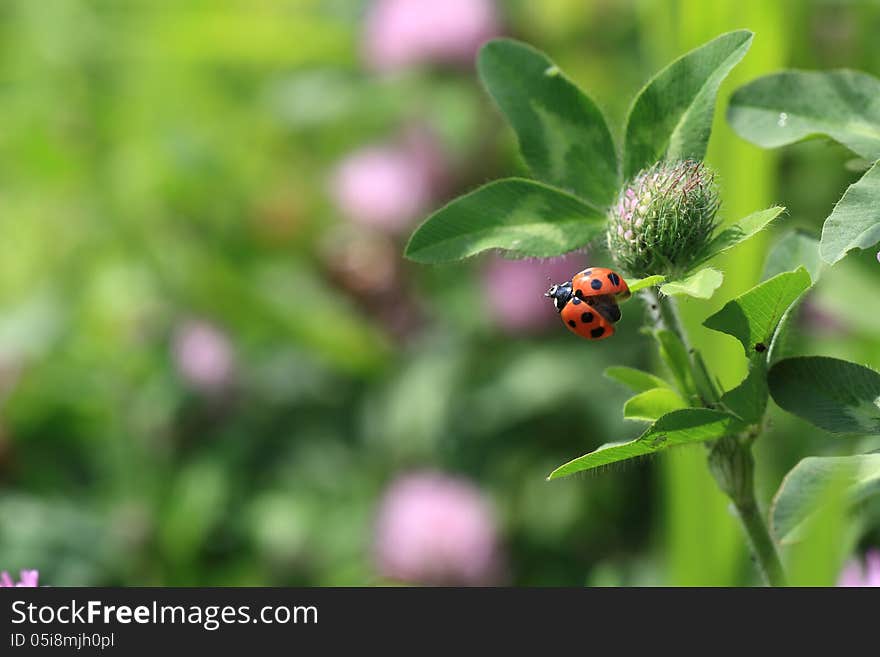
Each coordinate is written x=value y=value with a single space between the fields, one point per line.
x=682 y=427
x=522 y=216
x=566 y=142
x=805 y=489
x=835 y=395
x=855 y=221
x=651 y=405
x=649 y=281
x=671 y=118
x=701 y=284
x=562 y=134
x=635 y=380
x=752 y=318
x=742 y=230
x=789 y=106
x=795 y=249
x=817 y=547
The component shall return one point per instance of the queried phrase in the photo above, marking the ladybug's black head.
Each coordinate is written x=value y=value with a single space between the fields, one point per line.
x=560 y=293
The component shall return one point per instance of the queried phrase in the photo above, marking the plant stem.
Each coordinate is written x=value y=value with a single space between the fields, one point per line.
x=766 y=557
x=730 y=461
x=733 y=467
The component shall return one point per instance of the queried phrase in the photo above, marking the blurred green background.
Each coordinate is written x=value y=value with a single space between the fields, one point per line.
x=214 y=361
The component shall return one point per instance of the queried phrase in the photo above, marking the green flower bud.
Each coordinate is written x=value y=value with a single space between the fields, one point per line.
x=663 y=219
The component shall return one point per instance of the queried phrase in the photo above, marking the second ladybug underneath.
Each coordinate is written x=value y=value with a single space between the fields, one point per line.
x=588 y=303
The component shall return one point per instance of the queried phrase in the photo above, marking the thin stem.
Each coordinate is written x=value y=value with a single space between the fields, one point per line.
x=766 y=556
x=730 y=461
x=674 y=320
x=733 y=467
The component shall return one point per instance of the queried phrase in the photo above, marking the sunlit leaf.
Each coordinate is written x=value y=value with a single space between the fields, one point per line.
x=650 y=405
x=671 y=118
x=514 y=214
x=742 y=230
x=804 y=487
x=562 y=134
x=795 y=249
x=682 y=427
x=635 y=380
x=855 y=221
x=753 y=317
x=641 y=283
x=789 y=106
x=748 y=400
x=835 y=395
x=701 y=284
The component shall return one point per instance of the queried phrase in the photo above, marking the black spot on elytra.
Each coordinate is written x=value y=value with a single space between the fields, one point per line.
x=614 y=278
x=596 y=284
x=587 y=272
x=579 y=294
x=572 y=323
x=575 y=301
x=760 y=347
x=586 y=318
x=598 y=332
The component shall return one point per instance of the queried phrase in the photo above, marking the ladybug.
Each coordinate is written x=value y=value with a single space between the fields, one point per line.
x=588 y=302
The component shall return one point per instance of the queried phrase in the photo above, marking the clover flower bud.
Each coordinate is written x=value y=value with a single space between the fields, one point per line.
x=663 y=219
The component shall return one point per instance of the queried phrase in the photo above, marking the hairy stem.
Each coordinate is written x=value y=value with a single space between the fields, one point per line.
x=730 y=458
x=733 y=467
x=766 y=556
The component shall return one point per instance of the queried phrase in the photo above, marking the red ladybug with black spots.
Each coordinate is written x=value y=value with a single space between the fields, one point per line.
x=588 y=302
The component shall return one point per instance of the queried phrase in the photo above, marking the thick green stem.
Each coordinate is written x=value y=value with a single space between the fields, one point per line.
x=733 y=467
x=766 y=556
x=730 y=461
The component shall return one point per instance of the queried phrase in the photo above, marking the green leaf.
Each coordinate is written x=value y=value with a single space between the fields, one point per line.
x=753 y=317
x=682 y=427
x=652 y=404
x=855 y=221
x=748 y=401
x=835 y=395
x=789 y=106
x=742 y=230
x=562 y=134
x=701 y=284
x=635 y=380
x=671 y=118
x=794 y=250
x=647 y=281
x=803 y=490
x=675 y=355
x=514 y=214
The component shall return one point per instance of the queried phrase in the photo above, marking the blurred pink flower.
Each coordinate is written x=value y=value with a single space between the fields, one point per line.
x=203 y=355
x=514 y=290
x=388 y=186
x=28 y=579
x=404 y=33
x=856 y=573
x=819 y=320
x=439 y=530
